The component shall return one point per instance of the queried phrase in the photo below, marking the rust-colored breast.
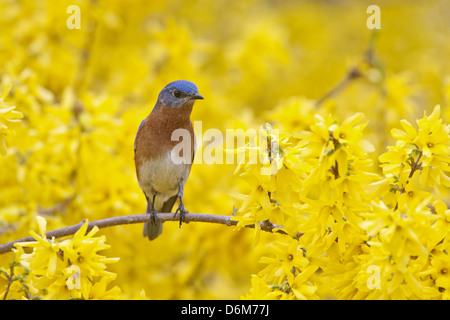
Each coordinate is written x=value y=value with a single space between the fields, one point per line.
x=153 y=139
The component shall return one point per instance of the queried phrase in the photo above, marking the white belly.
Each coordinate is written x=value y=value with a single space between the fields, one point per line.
x=162 y=176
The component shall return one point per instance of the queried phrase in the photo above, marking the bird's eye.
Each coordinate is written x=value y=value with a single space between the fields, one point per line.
x=177 y=93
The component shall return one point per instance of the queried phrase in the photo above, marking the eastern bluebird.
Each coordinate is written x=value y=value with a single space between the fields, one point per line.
x=160 y=178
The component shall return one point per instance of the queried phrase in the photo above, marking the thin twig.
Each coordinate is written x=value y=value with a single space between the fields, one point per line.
x=56 y=208
x=10 y=279
x=352 y=74
x=141 y=218
x=415 y=165
x=368 y=59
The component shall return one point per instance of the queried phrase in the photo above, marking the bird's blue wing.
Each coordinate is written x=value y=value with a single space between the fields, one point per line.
x=142 y=122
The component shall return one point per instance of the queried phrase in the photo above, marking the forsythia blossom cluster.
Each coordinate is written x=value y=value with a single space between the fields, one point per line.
x=7 y=114
x=353 y=233
x=67 y=269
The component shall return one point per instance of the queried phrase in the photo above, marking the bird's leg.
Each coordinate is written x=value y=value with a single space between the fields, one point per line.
x=152 y=211
x=181 y=208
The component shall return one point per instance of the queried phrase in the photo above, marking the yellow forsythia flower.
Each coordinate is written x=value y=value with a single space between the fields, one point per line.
x=7 y=114
x=71 y=268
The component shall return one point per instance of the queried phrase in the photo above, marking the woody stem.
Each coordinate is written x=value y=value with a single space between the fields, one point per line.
x=141 y=218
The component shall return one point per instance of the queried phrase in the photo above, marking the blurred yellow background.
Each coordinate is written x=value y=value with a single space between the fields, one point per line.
x=83 y=93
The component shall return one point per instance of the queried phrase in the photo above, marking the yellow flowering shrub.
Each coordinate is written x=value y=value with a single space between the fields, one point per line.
x=350 y=222
x=67 y=269
x=350 y=167
x=7 y=115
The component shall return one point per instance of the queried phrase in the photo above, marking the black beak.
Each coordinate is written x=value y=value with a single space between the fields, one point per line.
x=196 y=96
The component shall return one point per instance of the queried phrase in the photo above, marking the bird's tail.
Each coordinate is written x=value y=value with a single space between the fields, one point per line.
x=153 y=229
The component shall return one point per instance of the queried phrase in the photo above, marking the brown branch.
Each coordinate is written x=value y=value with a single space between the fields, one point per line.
x=10 y=279
x=352 y=74
x=415 y=165
x=56 y=208
x=141 y=218
x=357 y=71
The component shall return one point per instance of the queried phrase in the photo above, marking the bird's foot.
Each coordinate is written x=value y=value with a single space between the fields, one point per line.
x=153 y=216
x=182 y=211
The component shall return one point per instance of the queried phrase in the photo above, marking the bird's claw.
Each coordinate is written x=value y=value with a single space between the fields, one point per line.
x=153 y=216
x=182 y=211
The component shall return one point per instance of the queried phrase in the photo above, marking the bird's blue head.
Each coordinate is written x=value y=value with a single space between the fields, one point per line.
x=178 y=94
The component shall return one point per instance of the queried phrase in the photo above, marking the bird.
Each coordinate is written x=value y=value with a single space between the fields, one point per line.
x=162 y=179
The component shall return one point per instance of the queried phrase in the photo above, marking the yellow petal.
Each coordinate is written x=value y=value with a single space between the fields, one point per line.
x=398 y=134
x=81 y=232
x=408 y=128
x=42 y=226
